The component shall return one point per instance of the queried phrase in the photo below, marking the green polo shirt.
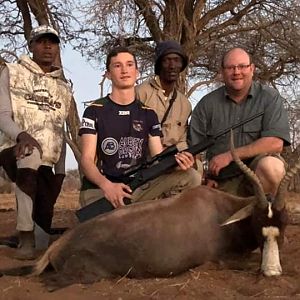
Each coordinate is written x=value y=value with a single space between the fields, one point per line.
x=216 y=112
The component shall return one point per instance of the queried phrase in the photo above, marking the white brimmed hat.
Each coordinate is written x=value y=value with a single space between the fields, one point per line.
x=43 y=30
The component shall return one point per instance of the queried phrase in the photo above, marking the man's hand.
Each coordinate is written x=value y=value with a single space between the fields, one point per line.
x=25 y=145
x=116 y=192
x=219 y=162
x=185 y=160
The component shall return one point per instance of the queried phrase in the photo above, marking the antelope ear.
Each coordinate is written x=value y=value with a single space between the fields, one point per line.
x=241 y=214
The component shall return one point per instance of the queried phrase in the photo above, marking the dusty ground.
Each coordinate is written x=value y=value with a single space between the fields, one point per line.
x=236 y=279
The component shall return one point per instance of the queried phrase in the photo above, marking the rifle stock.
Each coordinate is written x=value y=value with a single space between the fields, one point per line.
x=142 y=174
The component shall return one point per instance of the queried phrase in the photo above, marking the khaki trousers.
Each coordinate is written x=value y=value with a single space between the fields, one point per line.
x=164 y=186
x=24 y=201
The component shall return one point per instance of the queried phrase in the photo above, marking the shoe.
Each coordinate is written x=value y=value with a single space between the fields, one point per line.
x=9 y=241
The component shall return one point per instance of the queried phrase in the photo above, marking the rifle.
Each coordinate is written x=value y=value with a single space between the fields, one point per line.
x=158 y=165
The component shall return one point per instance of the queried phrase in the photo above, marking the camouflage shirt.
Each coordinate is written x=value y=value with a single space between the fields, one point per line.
x=39 y=105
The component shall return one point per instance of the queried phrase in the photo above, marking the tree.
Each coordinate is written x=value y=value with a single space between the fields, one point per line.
x=269 y=29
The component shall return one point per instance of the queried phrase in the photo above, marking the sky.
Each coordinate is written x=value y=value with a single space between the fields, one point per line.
x=85 y=79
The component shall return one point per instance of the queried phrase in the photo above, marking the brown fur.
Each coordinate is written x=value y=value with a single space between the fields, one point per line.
x=151 y=239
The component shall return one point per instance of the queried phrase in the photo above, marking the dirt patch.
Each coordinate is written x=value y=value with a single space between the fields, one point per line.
x=234 y=279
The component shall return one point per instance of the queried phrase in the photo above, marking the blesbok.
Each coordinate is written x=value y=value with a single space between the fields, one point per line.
x=166 y=237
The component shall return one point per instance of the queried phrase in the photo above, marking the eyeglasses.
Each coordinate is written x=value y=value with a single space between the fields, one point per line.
x=240 y=67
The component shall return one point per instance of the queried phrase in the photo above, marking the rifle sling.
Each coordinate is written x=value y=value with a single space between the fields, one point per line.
x=172 y=100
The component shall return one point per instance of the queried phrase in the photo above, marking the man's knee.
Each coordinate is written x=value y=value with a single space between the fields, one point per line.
x=185 y=179
x=271 y=168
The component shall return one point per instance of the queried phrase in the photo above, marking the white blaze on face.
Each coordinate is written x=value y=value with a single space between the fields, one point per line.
x=270 y=265
x=270 y=211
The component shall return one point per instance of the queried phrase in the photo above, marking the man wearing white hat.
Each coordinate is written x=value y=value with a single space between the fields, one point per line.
x=34 y=104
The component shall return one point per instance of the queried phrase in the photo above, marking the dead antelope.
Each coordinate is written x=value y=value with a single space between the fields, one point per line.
x=166 y=237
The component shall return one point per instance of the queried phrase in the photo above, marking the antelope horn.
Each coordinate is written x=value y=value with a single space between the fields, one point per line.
x=281 y=192
x=259 y=191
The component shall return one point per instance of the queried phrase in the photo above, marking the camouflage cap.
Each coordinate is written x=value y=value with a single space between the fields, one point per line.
x=43 y=30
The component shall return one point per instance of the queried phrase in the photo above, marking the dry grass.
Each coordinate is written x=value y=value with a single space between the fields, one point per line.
x=66 y=200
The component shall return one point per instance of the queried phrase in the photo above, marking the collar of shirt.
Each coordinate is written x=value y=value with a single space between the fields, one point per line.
x=158 y=82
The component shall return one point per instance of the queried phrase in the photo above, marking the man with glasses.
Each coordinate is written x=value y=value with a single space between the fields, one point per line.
x=258 y=143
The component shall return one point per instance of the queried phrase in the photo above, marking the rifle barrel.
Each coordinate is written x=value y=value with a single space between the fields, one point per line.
x=195 y=149
x=239 y=124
